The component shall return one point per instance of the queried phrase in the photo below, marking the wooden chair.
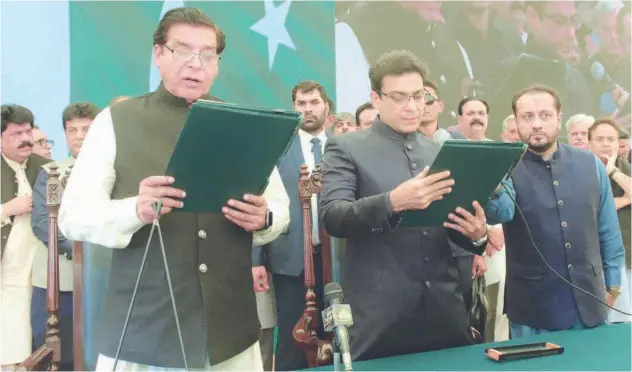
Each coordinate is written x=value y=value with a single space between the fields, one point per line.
x=48 y=356
x=318 y=351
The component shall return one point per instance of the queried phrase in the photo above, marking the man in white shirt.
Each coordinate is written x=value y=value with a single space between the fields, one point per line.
x=108 y=201
x=19 y=170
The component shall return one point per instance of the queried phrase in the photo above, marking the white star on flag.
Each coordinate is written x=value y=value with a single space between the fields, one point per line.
x=272 y=26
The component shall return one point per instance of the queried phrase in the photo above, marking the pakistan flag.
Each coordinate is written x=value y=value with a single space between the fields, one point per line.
x=270 y=47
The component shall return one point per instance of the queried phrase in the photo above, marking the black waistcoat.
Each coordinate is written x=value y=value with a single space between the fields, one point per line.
x=209 y=258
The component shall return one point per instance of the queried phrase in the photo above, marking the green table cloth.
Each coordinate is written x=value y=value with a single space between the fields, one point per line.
x=597 y=349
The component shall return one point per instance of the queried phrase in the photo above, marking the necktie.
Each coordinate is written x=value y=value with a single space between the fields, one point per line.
x=317 y=151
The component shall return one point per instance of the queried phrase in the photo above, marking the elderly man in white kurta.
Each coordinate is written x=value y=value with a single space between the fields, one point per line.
x=18 y=172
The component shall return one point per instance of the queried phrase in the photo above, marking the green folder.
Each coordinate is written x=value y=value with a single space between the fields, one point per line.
x=477 y=168
x=226 y=150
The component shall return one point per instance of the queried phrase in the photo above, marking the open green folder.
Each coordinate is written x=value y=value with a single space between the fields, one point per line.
x=477 y=168
x=226 y=150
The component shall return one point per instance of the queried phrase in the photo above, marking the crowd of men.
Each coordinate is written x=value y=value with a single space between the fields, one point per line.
x=238 y=275
x=475 y=48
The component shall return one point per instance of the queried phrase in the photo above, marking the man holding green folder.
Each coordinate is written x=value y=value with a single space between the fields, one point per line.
x=109 y=199
x=369 y=179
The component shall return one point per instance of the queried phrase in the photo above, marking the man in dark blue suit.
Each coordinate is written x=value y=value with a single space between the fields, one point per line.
x=285 y=254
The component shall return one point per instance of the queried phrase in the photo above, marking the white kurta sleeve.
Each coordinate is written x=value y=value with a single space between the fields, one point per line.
x=279 y=205
x=87 y=212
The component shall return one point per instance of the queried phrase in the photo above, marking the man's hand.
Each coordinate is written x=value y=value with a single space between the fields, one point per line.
x=610 y=299
x=155 y=188
x=18 y=206
x=610 y=162
x=260 y=279
x=479 y=266
x=495 y=240
x=472 y=226
x=620 y=97
x=420 y=191
x=249 y=214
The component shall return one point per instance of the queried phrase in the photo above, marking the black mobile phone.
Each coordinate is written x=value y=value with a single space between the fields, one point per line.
x=506 y=353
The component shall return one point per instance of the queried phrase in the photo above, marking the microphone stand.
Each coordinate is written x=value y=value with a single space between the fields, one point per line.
x=156 y=206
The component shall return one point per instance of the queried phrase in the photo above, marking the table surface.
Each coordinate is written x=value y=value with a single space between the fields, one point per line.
x=602 y=348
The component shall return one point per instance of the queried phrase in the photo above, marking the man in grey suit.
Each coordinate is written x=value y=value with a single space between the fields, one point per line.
x=370 y=178
x=285 y=254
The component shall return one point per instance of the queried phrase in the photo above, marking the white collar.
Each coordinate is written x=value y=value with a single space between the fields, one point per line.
x=307 y=137
x=14 y=164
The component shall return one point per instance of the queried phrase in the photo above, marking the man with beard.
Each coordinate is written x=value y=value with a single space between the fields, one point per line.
x=17 y=243
x=569 y=214
x=285 y=254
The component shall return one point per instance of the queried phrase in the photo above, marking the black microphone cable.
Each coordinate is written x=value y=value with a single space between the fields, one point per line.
x=157 y=205
x=549 y=266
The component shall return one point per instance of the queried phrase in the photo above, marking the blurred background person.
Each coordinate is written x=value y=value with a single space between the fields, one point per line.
x=577 y=130
x=344 y=122
x=42 y=146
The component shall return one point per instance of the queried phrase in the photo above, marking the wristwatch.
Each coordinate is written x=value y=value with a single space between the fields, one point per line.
x=268 y=221
x=480 y=242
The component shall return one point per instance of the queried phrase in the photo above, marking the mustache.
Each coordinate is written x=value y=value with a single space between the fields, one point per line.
x=25 y=144
x=476 y=122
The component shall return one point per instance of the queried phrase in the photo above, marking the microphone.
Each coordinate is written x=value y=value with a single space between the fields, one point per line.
x=598 y=72
x=337 y=317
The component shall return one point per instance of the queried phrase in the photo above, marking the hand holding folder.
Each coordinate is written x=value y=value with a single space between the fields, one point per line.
x=477 y=168
x=226 y=151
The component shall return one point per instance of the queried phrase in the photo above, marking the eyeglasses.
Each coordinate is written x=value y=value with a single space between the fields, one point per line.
x=44 y=142
x=183 y=54
x=401 y=98
x=430 y=99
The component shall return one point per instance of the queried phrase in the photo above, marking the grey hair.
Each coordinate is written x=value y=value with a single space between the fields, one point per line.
x=578 y=118
x=506 y=121
x=344 y=116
